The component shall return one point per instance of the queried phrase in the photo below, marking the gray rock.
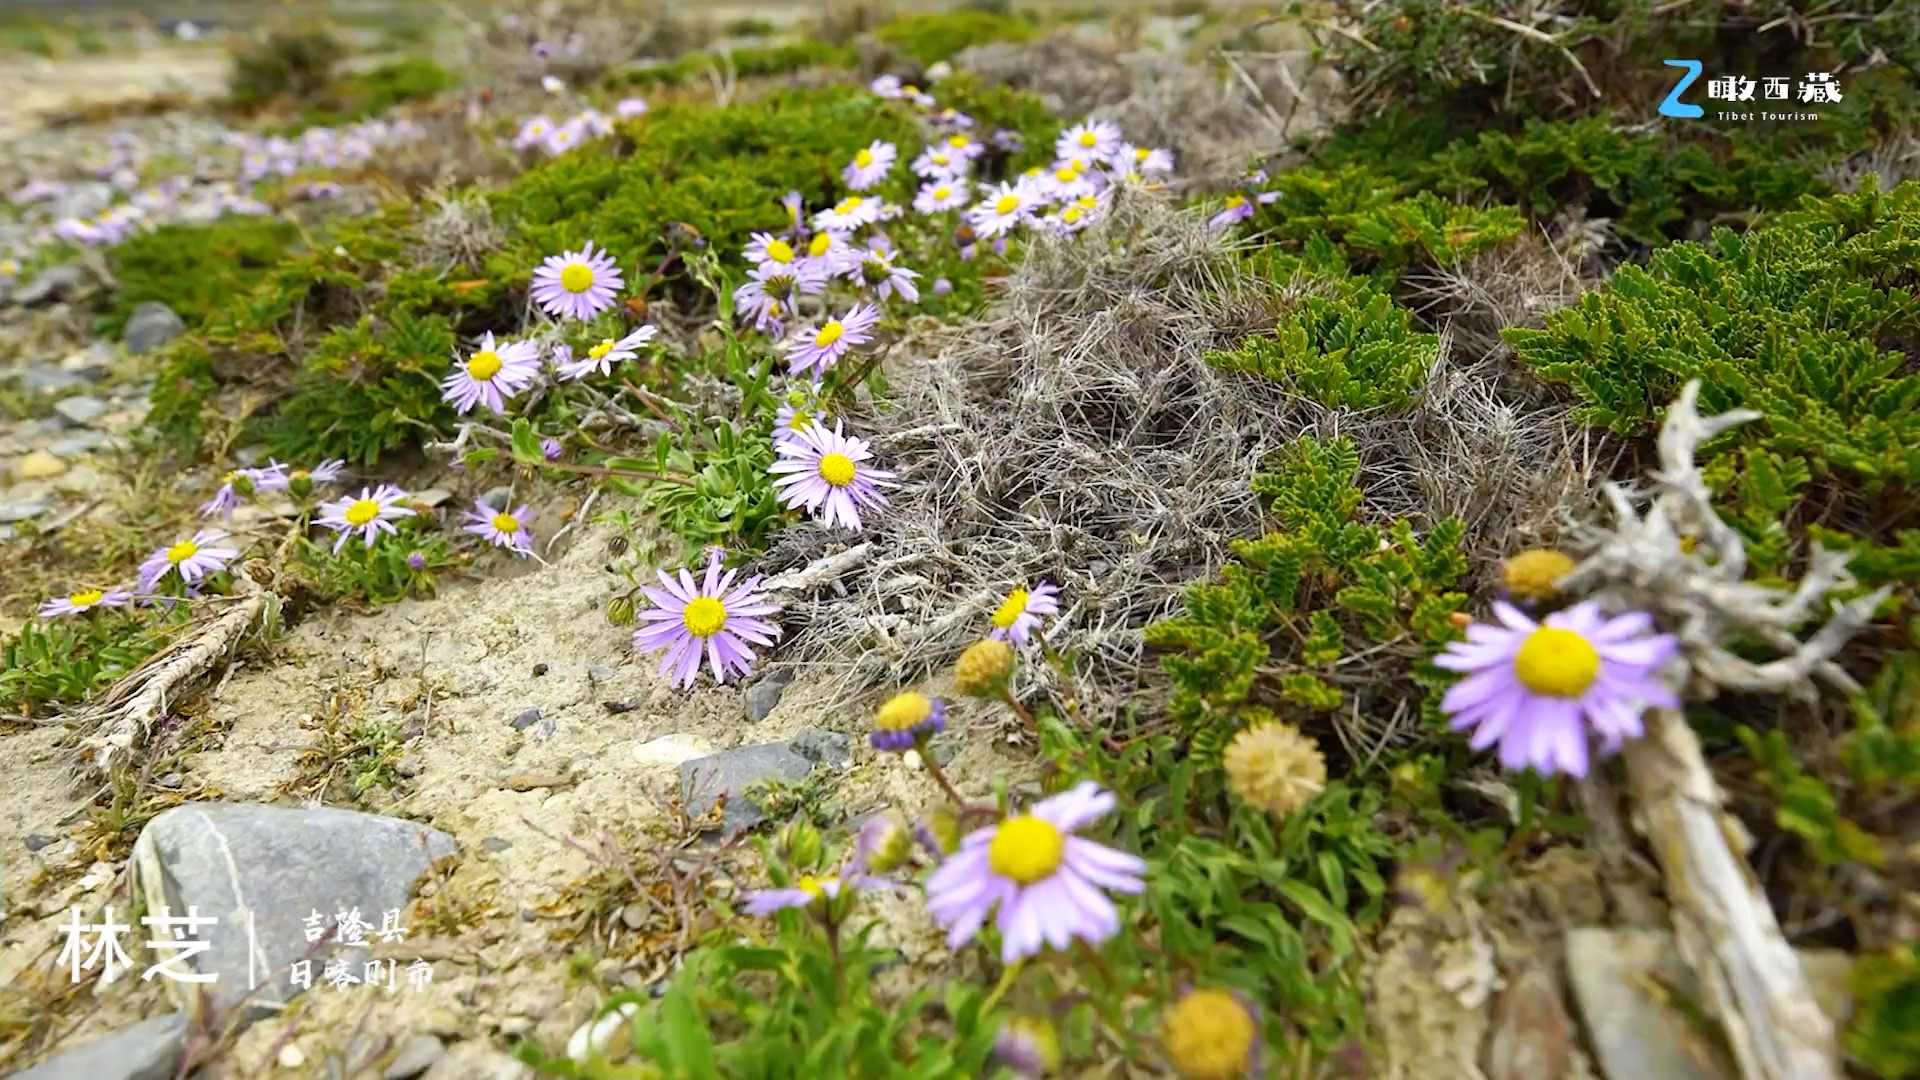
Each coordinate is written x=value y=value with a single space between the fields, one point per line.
x=277 y=864
x=91 y=363
x=527 y=718
x=500 y=498
x=63 y=282
x=601 y=673
x=79 y=444
x=23 y=509
x=546 y=729
x=49 y=380
x=761 y=698
x=432 y=496
x=148 y=1050
x=732 y=772
x=151 y=325
x=416 y=1056
x=36 y=841
x=81 y=410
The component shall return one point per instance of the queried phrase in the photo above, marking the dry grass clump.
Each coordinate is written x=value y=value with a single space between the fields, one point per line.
x=1217 y=122
x=580 y=39
x=1075 y=434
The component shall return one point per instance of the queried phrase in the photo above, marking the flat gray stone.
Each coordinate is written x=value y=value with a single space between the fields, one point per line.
x=79 y=444
x=279 y=864
x=732 y=772
x=23 y=509
x=151 y=325
x=63 y=282
x=81 y=409
x=416 y=1056
x=525 y=719
x=761 y=698
x=148 y=1050
x=49 y=380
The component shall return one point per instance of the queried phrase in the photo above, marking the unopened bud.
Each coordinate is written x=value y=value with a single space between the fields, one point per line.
x=801 y=843
x=983 y=670
x=620 y=611
x=885 y=843
x=300 y=483
x=242 y=483
x=940 y=832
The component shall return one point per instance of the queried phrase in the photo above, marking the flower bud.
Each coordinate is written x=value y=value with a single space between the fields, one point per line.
x=1027 y=1046
x=1210 y=1035
x=801 y=843
x=241 y=481
x=1535 y=574
x=300 y=483
x=940 y=832
x=984 y=668
x=620 y=611
x=885 y=843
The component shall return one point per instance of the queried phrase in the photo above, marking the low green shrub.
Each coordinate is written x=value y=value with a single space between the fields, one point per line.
x=1356 y=349
x=293 y=63
x=196 y=270
x=929 y=37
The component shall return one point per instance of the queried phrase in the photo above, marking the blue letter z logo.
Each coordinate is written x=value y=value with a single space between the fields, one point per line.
x=1673 y=106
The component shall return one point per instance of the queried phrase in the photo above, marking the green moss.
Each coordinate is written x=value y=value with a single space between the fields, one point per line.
x=931 y=37
x=195 y=269
x=370 y=93
x=749 y=62
x=1356 y=349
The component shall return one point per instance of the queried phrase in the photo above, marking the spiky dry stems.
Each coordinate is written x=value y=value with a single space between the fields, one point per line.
x=118 y=723
x=1216 y=127
x=1894 y=161
x=1516 y=284
x=1722 y=918
x=457 y=231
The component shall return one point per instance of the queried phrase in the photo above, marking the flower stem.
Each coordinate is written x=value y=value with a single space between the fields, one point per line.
x=1007 y=975
x=602 y=470
x=933 y=770
x=1019 y=710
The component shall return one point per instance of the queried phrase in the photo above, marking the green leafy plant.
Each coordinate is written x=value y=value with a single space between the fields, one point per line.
x=926 y=38
x=1356 y=349
x=197 y=270
x=62 y=661
x=1304 y=598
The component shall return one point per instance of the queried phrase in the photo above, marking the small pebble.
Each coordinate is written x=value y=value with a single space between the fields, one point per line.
x=36 y=841
x=618 y=707
x=539 y=670
x=527 y=718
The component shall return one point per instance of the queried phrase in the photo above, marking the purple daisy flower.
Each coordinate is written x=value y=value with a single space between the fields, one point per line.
x=609 y=352
x=1077 y=215
x=715 y=617
x=1068 y=181
x=1240 y=206
x=501 y=529
x=941 y=286
x=416 y=560
x=763 y=248
x=1019 y=614
x=887 y=86
x=277 y=476
x=1005 y=208
x=801 y=411
x=835 y=337
x=805 y=892
x=1044 y=881
x=628 y=108
x=963 y=146
x=234 y=488
x=825 y=473
x=876 y=271
x=577 y=284
x=1540 y=689
x=907 y=720
x=83 y=601
x=937 y=162
x=370 y=515
x=827 y=252
x=534 y=132
x=552 y=448
x=494 y=373
x=870 y=166
x=1144 y=160
x=191 y=559
x=849 y=214
x=1091 y=141
x=943 y=193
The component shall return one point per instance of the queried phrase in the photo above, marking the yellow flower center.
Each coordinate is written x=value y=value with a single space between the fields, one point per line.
x=1140 y=153
x=820 y=245
x=811 y=886
x=863 y=159
x=704 y=616
x=780 y=251
x=829 y=333
x=1236 y=202
x=849 y=205
x=1067 y=175
x=484 y=365
x=941 y=193
x=576 y=278
x=600 y=351
x=1007 y=204
x=299 y=475
x=1026 y=850
x=836 y=469
x=506 y=523
x=1556 y=662
x=86 y=598
x=959 y=142
x=942 y=159
x=1011 y=610
x=1071 y=215
x=361 y=512
x=802 y=420
x=1089 y=140
x=904 y=712
x=182 y=551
